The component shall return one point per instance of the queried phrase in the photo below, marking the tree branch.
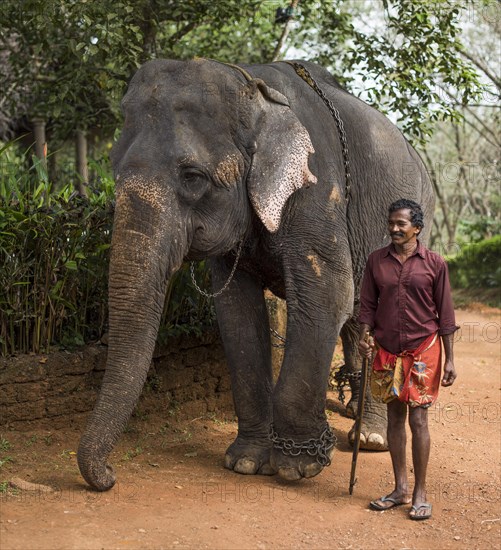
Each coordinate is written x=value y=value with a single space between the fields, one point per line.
x=497 y=142
x=285 y=33
x=483 y=68
x=182 y=32
x=443 y=203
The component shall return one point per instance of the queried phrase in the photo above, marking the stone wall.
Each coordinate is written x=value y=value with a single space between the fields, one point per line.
x=189 y=374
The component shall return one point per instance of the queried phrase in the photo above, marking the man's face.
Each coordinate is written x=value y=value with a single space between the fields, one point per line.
x=400 y=227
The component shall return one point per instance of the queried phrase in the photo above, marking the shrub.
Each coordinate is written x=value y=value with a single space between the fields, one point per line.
x=53 y=263
x=54 y=254
x=477 y=265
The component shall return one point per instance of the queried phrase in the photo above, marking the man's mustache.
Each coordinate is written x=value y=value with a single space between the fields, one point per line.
x=397 y=234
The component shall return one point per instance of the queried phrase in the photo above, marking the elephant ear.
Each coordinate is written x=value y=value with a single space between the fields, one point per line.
x=280 y=156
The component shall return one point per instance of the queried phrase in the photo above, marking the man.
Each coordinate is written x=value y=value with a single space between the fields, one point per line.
x=406 y=302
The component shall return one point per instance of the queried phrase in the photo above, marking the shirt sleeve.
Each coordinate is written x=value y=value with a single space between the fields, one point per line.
x=369 y=296
x=442 y=297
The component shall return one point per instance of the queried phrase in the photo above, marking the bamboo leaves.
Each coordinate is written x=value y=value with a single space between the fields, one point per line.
x=54 y=249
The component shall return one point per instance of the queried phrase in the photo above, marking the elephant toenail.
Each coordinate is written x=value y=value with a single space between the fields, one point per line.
x=267 y=470
x=376 y=439
x=290 y=474
x=245 y=466
x=311 y=470
x=376 y=442
x=351 y=437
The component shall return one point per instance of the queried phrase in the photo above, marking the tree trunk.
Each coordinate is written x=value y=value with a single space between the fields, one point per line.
x=82 y=168
x=40 y=141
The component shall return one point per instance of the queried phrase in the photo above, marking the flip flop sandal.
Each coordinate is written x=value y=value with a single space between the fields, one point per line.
x=394 y=502
x=416 y=509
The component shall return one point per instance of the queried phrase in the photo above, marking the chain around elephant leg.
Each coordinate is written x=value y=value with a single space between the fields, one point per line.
x=296 y=459
x=343 y=380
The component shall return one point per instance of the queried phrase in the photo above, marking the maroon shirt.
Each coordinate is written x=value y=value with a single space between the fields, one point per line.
x=405 y=303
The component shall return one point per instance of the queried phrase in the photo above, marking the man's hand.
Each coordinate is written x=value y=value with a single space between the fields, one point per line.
x=449 y=373
x=449 y=369
x=366 y=343
x=366 y=348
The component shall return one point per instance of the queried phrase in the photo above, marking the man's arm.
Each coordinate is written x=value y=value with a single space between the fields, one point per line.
x=447 y=322
x=449 y=368
x=442 y=296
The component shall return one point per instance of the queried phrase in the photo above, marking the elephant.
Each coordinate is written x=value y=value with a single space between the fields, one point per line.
x=248 y=166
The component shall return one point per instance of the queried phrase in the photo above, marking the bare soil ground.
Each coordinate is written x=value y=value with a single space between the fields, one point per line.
x=172 y=491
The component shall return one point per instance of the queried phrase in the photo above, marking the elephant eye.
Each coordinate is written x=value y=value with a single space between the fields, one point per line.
x=192 y=176
x=194 y=184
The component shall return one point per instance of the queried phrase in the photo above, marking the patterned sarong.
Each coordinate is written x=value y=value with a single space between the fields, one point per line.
x=413 y=377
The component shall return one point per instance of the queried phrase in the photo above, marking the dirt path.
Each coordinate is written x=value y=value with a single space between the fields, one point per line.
x=173 y=492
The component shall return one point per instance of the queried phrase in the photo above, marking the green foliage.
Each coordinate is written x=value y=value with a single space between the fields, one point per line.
x=225 y=30
x=5 y=446
x=482 y=226
x=54 y=257
x=53 y=263
x=69 y=62
x=477 y=265
x=479 y=228
x=187 y=312
x=397 y=55
x=56 y=69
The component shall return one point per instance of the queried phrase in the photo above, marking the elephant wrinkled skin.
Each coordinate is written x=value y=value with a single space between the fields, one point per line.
x=210 y=157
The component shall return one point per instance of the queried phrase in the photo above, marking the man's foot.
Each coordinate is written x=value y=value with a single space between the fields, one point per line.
x=420 y=511
x=387 y=502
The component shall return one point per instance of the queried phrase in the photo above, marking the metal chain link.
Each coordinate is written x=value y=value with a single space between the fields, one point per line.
x=342 y=380
x=206 y=294
x=313 y=447
x=279 y=337
x=303 y=72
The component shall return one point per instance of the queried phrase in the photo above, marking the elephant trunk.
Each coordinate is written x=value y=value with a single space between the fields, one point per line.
x=146 y=249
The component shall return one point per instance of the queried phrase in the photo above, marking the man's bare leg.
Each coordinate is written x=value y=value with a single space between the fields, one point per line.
x=396 y=436
x=418 y=421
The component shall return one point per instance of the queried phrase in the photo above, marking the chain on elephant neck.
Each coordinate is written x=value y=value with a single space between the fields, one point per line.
x=303 y=72
x=228 y=281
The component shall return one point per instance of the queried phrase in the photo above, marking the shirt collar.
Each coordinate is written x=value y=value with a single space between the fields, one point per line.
x=420 y=250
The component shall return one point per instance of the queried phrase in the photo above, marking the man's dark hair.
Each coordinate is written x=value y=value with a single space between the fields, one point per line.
x=414 y=207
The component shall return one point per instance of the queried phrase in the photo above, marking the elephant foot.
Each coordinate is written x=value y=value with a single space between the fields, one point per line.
x=351 y=408
x=293 y=468
x=295 y=460
x=249 y=457
x=371 y=438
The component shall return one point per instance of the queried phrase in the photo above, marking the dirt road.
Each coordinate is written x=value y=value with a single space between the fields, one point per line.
x=173 y=492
